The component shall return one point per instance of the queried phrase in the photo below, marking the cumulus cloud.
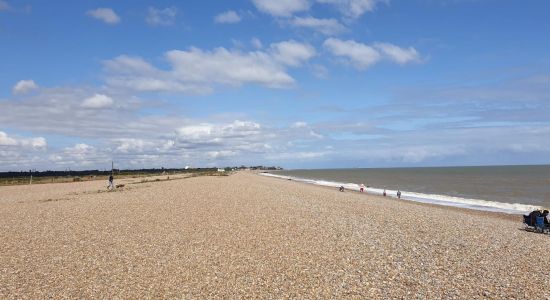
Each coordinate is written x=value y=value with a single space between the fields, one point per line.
x=98 y=101
x=106 y=15
x=325 y=26
x=18 y=153
x=397 y=54
x=228 y=17
x=5 y=140
x=37 y=143
x=207 y=133
x=354 y=8
x=281 y=8
x=451 y=125
x=123 y=134
x=363 y=56
x=228 y=67
x=292 y=53
x=360 y=55
x=198 y=71
x=24 y=86
x=134 y=145
x=81 y=155
x=161 y=17
x=54 y=111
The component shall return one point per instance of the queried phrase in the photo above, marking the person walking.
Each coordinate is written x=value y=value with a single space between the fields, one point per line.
x=362 y=188
x=111 y=185
x=398 y=194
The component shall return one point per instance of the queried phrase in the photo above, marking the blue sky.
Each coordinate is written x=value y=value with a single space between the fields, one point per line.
x=295 y=83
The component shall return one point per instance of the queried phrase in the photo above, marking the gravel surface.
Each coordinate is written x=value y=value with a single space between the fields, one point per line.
x=248 y=236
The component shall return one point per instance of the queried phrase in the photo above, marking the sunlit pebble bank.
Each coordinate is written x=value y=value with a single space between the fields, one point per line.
x=478 y=204
x=250 y=236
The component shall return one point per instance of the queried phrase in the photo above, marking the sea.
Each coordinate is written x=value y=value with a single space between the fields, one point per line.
x=508 y=189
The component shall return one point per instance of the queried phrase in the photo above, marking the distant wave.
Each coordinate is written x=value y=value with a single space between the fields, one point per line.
x=477 y=204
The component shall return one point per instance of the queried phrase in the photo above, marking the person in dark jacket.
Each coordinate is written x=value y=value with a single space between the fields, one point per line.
x=111 y=185
x=533 y=217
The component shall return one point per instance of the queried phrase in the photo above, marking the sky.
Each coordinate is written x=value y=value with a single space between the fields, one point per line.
x=291 y=83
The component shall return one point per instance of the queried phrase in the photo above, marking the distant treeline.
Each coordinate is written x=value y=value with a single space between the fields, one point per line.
x=100 y=173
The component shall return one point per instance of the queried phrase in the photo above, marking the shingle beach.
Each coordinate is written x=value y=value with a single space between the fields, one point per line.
x=250 y=236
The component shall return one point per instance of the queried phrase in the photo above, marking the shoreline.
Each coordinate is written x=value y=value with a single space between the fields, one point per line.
x=495 y=214
x=428 y=199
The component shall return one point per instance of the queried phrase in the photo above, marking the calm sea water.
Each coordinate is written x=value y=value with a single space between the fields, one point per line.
x=504 y=184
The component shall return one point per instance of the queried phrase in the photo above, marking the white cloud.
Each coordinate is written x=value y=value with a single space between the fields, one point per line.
x=24 y=86
x=18 y=153
x=131 y=139
x=162 y=17
x=354 y=8
x=196 y=132
x=98 y=101
x=132 y=145
x=299 y=124
x=134 y=73
x=292 y=53
x=34 y=143
x=397 y=54
x=212 y=133
x=5 y=140
x=227 y=67
x=4 y=5
x=256 y=43
x=37 y=143
x=362 y=56
x=324 y=26
x=198 y=71
x=81 y=155
x=228 y=17
x=106 y=15
x=220 y=154
x=301 y=155
x=281 y=8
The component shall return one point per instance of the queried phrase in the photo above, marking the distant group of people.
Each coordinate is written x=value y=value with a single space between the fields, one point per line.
x=362 y=190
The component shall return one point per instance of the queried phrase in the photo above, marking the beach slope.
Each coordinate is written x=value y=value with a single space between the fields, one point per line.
x=247 y=235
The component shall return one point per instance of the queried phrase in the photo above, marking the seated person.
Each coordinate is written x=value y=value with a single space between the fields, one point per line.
x=533 y=217
x=546 y=216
